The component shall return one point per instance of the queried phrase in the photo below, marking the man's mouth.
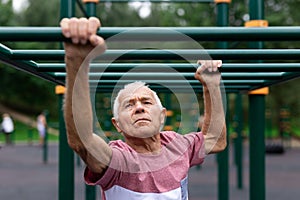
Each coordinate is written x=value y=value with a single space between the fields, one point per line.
x=142 y=120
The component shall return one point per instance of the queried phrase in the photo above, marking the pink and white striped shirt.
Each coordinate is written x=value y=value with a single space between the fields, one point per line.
x=162 y=176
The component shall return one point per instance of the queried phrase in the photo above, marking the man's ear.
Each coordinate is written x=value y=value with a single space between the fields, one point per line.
x=116 y=124
x=163 y=115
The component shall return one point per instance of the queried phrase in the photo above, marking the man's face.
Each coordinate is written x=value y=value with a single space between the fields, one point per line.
x=139 y=114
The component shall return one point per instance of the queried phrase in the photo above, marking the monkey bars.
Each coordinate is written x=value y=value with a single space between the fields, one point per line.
x=48 y=34
x=48 y=65
x=167 y=54
x=45 y=63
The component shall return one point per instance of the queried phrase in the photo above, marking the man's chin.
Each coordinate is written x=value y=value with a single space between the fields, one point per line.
x=144 y=132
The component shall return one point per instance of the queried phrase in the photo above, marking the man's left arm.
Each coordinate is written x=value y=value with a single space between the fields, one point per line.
x=214 y=126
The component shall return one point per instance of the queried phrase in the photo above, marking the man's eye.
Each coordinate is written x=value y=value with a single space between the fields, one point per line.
x=128 y=105
x=148 y=102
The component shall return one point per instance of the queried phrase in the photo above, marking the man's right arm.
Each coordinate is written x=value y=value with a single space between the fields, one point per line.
x=77 y=106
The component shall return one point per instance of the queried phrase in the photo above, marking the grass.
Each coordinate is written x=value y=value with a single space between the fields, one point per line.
x=24 y=133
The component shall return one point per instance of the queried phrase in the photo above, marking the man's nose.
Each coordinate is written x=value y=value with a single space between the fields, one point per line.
x=139 y=108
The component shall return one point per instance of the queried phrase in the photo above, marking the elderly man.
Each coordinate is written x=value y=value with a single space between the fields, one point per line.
x=151 y=163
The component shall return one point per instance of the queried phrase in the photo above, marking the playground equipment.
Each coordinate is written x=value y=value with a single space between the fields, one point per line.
x=252 y=78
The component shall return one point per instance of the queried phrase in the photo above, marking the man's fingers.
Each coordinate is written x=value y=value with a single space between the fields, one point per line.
x=74 y=30
x=219 y=63
x=82 y=30
x=202 y=66
x=64 y=24
x=210 y=65
x=216 y=64
x=96 y=40
x=94 y=24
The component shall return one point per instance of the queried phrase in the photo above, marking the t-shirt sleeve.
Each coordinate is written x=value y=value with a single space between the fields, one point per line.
x=110 y=175
x=197 y=148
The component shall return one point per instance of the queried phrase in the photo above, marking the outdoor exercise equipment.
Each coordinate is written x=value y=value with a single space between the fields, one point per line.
x=242 y=77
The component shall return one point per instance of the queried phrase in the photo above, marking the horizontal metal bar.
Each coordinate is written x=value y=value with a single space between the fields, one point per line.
x=169 y=54
x=24 y=65
x=181 y=67
x=155 y=86
x=50 y=34
x=174 y=90
x=38 y=54
x=177 y=82
x=285 y=77
x=172 y=76
x=183 y=91
x=229 y=54
x=159 y=1
x=151 y=84
x=29 y=67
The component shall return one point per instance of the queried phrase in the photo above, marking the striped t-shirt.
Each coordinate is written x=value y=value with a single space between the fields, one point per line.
x=162 y=176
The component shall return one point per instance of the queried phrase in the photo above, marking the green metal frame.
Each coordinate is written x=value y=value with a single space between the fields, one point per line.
x=276 y=33
x=237 y=77
x=270 y=73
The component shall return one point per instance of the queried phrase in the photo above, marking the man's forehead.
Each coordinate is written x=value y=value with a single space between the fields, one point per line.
x=137 y=93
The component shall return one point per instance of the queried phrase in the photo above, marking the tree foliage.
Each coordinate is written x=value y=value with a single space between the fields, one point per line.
x=20 y=90
x=16 y=87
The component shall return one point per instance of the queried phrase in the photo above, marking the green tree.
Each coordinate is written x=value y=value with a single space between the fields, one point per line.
x=20 y=90
x=6 y=12
x=46 y=13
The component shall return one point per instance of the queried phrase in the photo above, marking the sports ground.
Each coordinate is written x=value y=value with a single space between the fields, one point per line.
x=24 y=176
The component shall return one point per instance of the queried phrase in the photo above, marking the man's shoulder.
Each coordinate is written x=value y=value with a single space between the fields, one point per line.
x=168 y=136
x=117 y=143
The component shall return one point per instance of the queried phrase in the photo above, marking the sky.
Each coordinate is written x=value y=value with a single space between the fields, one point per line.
x=143 y=12
x=145 y=9
x=19 y=4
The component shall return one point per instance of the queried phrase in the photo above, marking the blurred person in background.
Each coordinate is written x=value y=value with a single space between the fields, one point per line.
x=7 y=127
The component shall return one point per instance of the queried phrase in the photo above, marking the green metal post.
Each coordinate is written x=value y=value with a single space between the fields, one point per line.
x=168 y=106
x=256 y=9
x=91 y=8
x=66 y=160
x=45 y=144
x=67 y=8
x=257 y=146
x=239 y=140
x=223 y=169
x=66 y=155
x=90 y=191
x=30 y=135
x=257 y=122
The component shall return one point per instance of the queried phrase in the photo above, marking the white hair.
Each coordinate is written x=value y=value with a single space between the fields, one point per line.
x=132 y=87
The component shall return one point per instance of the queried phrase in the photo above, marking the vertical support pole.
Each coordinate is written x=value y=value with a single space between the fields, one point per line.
x=223 y=169
x=91 y=7
x=239 y=140
x=167 y=104
x=257 y=143
x=67 y=8
x=256 y=11
x=45 y=144
x=90 y=191
x=257 y=118
x=66 y=155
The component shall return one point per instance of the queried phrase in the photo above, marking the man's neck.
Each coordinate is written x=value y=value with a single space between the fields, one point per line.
x=145 y=145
